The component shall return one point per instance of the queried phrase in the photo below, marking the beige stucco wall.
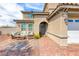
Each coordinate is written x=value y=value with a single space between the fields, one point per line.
x=50 y=7
x=37 y=20
x=18 y=25
x=57 y=29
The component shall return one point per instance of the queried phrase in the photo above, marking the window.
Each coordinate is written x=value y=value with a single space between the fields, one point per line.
x=30 y=27
x=28 y=16
x=76 y=20
x=70 y=20
x=66 y=20
x=23 y=26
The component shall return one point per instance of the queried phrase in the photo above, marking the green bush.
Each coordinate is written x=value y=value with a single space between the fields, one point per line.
x=37 y=36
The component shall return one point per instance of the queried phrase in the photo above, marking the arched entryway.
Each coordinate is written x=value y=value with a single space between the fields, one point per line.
x=43 y=28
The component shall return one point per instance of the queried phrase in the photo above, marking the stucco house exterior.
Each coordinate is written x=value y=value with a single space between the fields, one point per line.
x=55 y=21
x=63 y=18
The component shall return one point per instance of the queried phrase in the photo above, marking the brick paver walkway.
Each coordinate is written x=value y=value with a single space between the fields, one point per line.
x=44 y=47
x=47 y=47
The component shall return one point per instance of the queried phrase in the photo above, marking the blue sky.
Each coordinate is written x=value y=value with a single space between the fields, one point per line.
x=10 y=11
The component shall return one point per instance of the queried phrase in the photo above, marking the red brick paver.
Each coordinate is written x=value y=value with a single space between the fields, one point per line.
x=48 y=47
x=44 y=47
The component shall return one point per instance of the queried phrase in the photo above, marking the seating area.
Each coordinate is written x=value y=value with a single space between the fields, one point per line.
x=21 y=35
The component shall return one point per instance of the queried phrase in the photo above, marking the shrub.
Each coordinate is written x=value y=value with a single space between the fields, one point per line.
x=37 y=36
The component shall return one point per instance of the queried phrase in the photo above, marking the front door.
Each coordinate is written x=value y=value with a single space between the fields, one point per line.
x=42 y=28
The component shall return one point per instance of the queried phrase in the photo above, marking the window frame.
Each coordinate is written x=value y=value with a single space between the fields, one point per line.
x=23 y=26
